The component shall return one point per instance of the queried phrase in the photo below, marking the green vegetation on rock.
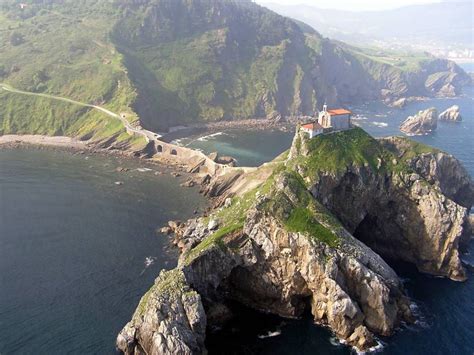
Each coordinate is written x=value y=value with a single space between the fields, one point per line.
x=336 y=152
x=170 y=283
x=181 y=61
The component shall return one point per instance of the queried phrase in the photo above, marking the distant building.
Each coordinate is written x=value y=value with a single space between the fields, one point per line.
x=23 y=6
x=313 y=129
x=337 y=119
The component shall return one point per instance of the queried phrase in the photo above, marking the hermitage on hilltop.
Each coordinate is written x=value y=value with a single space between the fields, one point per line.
x=328 y=120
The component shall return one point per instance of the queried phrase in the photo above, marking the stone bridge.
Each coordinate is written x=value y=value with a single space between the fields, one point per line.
x=194 y=160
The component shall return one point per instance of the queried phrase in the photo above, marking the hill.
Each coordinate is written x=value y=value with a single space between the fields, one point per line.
x=442 y=23
x=166 y=63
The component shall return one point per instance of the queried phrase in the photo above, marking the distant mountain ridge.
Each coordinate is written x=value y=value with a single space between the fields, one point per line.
x=443 y=22
x=166 y=63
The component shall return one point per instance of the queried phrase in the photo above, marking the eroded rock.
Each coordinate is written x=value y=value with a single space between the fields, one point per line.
x=452 y=114
x=423 y=122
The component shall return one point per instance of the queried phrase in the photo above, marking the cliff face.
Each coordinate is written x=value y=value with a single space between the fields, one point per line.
x=166 y=63
x=304 y=233
x=273 y=262
x=213 y=60
x=402 y=199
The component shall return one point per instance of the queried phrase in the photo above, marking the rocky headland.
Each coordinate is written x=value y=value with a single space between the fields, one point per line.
x=424 y=122
x=308 y=233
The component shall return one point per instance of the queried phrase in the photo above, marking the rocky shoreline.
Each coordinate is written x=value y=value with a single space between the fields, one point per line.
x=281 y=240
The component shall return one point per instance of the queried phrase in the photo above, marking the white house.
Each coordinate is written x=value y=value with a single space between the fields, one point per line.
x=338 y=119
x=313 y=129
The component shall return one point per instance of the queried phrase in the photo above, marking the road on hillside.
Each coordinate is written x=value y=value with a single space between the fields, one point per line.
x=149 y=135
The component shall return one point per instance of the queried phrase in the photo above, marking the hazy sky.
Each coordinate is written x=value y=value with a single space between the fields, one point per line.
x=353 y=5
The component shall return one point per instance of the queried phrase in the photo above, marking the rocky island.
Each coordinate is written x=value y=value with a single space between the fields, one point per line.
x=423 y=122
x=451 y=114
x=308 y=232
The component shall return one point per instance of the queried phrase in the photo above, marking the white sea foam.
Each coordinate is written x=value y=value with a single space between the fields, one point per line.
x=380 y=124
x=270 y=334
x=177 y=141
x=335 y=341
x=375 y=349
x=209 y=136
x=149 y=260
x=359 y=118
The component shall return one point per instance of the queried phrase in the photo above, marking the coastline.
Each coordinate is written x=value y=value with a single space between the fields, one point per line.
x=12 y=140
x=254 y=124
x=75 y=146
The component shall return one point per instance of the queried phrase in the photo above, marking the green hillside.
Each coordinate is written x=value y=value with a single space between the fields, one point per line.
x=174 y=62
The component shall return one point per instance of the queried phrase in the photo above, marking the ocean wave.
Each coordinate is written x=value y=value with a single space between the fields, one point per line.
x=209 y=136
x=380 y=124
x=177 y=141
x=374 y=349
x=359 y=118
x=270 y=334
x=335 y=341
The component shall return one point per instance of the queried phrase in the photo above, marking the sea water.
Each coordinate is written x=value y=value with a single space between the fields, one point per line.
x=77 y=250
x=74 y=249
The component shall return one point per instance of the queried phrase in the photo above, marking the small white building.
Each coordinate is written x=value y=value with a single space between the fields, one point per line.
x=338 y=119
x=313 y=129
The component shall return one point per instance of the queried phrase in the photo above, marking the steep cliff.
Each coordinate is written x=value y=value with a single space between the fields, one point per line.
x=278 y=250
x=302 y=234
x=404 y=200
x=167 y=63
x=235 y=59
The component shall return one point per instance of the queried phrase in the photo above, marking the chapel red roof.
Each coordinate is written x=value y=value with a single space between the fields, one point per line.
x=313 y=126
x=339 y=111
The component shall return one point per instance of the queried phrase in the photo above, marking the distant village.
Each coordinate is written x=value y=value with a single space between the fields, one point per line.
x=328 y=121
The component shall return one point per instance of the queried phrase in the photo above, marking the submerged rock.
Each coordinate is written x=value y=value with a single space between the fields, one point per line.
x=422 y=123
x=452 y=114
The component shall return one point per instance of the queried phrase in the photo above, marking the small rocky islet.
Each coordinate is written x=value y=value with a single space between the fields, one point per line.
x=312 y=227
x=426 y=121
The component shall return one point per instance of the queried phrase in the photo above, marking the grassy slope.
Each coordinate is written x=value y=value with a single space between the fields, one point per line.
x=64 y=51
x=293 y=206
x=171 y=62
x=219 y=69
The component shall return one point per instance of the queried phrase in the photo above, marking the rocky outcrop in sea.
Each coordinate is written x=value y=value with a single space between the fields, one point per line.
x=423 y=122
x=308 y=232
x=452 y=114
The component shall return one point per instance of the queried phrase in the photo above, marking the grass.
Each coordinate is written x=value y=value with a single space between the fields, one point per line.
x=336 y=151
x=170 y=283
x=301 y=220
x=168 y=62
x=65 y=52
x=406 y=61
x=300 y=212
x=212 y=240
